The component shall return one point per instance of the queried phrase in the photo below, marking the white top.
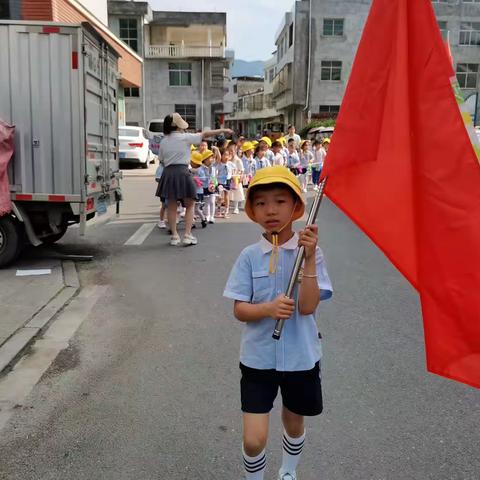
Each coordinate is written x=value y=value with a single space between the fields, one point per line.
x=278 y=159
x=319 y=157
x=175 y=148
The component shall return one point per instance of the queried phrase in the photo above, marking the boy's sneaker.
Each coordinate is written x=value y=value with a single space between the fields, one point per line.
x=212 y=220
x=175 y=240
x=287 y=476
x=161 y=224
x=189 y=240
x=236 y=211
x=204 y=223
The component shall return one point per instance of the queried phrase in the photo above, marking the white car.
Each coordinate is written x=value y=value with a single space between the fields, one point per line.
x=134 y=146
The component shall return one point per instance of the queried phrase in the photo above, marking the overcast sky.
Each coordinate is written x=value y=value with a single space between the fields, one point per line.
x=251 y=24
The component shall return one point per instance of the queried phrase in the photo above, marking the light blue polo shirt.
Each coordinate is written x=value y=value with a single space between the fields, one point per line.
x=299 y=347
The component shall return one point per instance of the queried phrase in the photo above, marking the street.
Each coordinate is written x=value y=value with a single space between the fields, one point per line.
x=148 y=386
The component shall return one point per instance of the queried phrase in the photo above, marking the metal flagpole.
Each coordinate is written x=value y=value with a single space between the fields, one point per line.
x=312 y=216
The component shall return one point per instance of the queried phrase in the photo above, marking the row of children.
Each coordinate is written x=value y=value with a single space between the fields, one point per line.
x=222 y=174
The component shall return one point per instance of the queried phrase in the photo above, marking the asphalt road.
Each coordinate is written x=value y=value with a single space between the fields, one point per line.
x=148 y=388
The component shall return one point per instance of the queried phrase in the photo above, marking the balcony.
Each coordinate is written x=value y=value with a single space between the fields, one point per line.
x=185 y=51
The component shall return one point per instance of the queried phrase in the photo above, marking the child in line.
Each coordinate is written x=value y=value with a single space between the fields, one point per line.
x=236 y=192
x=256 y=284
x=319 y=154
x=207 y=175
x=278 y=158
x=293 y=160
x=306 y=157
x=261 y=160
x=224 y=173
x=196 y=164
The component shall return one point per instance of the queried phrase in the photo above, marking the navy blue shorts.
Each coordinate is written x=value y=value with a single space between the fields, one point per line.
x=301 y=391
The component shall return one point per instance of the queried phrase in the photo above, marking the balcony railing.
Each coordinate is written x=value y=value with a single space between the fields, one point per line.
x=184 y=51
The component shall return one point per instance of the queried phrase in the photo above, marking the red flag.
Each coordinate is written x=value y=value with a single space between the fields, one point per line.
x=401 y=165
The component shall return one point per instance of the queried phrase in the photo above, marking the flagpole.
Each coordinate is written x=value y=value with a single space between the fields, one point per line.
x=312 y=216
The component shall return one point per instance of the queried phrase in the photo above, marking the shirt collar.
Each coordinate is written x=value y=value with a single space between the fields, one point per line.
x=291 y=244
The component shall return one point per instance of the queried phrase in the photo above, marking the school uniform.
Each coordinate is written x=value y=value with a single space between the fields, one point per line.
x=292 y=362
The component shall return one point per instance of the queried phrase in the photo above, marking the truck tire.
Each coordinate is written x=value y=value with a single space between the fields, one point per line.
x=11 y=240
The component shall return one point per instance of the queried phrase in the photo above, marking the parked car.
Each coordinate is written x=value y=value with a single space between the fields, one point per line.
x=134 y=146
x=155 y=132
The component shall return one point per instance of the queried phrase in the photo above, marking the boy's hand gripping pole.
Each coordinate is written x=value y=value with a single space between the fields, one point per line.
x=312 y=216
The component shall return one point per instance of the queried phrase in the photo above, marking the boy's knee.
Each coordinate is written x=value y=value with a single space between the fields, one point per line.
x=254 y=445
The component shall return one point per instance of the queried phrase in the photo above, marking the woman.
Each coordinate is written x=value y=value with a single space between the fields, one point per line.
x=176 y=183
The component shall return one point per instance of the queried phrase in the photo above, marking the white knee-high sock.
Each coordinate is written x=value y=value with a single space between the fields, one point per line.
x=254 y=466
x=292 y=451
x=211 y=200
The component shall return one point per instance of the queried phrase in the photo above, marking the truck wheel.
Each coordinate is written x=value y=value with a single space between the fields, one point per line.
x=11 y=240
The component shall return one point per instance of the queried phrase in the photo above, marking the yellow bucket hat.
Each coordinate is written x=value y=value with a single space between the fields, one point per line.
x=267 y=141
x=276 y=174
x=325 y=140
x=254 y=143
x=248 y=146
x=196 y=158
x=192 y=148
x=206 y=154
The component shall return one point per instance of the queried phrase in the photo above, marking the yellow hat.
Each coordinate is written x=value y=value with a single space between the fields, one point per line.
x=254 y=143
x=192 y=148
x=282 y=140
x=325 y=140
x=196 y=158
x=227 y=142
x=248 y=146
x=267 y=141
x=206 y=154
x=276 y=174
x=302 y=143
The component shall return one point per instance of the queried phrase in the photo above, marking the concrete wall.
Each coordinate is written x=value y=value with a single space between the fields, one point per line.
x=334 y=48
x=160 y=98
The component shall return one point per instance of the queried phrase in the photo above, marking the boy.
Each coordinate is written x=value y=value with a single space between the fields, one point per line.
x=256 y=284
x=278 y=158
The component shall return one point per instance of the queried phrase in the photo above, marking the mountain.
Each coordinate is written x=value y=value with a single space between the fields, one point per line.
x=242 y=68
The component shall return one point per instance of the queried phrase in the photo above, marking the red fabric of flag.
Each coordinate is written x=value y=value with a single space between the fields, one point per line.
x=402 y=167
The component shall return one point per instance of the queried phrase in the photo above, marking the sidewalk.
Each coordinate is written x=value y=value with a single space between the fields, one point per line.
x=28 y=303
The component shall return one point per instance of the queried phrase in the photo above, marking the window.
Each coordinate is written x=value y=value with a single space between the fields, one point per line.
x=4 y=9
x=469 y=33
x=331 y=70
x=271 y=74
x=235 y=88
x=329 y=109
x=189 y=114
x=217 y=75
x=132 y=92
x=333 y=27
x=129 y=32
x=180 y=74
x=442 y=25
x=290 y=35
x=467 y=75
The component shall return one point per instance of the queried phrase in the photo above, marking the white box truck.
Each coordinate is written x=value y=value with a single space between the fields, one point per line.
x=58 y=88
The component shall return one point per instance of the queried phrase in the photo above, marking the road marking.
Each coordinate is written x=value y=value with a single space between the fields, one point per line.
x=141 y=234
x=17 y=385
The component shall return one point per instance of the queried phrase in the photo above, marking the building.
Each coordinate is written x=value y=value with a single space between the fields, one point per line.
x=77 y=11
x=185 y=62
x=316 y=45
x=253 y=111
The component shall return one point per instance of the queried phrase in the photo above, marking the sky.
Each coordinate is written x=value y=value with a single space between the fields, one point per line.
x=251 y=24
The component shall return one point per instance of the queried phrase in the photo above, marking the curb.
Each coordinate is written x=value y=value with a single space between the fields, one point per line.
x=12 y=349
